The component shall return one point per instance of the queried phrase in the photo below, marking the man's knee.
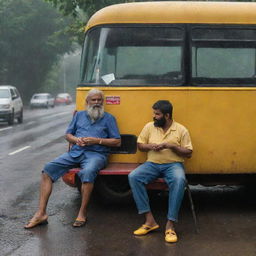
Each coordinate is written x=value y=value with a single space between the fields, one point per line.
x=46 y=178
x=88 y=175
x=48 y=166
x=179 y=180
x=132 y=177
x=45 y=175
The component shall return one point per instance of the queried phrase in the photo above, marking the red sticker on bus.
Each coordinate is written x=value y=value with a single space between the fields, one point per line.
x=112 y=100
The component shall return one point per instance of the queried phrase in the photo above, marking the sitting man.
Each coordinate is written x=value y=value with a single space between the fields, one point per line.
x=92 y=132
x=167 y=143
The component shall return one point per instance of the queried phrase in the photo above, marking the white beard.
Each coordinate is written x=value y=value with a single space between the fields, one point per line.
x=95 y=112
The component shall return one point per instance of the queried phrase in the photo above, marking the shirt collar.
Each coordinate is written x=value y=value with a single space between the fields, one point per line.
x=173 y=127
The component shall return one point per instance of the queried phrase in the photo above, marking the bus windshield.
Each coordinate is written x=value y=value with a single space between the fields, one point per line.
x=133 y=56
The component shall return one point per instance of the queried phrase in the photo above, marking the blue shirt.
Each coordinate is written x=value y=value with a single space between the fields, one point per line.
x=82 y=126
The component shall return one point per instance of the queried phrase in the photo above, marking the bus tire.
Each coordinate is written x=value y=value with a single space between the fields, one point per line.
x=113 y=189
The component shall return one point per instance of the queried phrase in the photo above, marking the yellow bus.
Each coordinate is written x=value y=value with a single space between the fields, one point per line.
x=199 y=55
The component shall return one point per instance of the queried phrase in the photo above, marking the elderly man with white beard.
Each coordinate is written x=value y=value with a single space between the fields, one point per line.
x=91 y=132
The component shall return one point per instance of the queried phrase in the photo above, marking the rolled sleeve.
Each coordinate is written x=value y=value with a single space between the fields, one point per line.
x=113 y=131
x=186 y=140
x=72 y=126
x=144 y=135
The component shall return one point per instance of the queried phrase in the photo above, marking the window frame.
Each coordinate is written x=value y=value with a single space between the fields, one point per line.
x=181 y=83
x=220 y=82
x=187 y=44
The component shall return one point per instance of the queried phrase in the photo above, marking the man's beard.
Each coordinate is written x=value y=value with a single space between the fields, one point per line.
x=95 y=112
x=160 y=122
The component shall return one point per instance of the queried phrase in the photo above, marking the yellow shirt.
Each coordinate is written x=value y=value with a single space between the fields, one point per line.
x=176 y=134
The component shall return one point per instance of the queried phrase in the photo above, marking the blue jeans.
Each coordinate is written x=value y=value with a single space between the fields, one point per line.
x=173 y=174
x=90 y=162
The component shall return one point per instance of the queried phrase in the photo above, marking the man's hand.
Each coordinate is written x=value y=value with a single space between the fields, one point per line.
x=87 y=141
x=180 y=151
x=164 y=146
x=155 y=147
x=80 y=142
x=147 y=147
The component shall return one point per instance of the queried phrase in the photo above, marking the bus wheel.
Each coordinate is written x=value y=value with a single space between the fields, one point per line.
x=113 y=189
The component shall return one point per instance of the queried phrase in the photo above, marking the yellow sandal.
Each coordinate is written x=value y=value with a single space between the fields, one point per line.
x=144 y=229
x=170 y=236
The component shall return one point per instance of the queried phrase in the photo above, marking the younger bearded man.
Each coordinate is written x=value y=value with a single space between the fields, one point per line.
x=167 y=143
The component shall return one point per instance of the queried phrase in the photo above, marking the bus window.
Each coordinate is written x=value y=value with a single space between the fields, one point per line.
x=138 y=56
x=215 y=55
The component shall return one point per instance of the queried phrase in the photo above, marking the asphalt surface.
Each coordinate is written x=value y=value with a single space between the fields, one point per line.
x=226 y=214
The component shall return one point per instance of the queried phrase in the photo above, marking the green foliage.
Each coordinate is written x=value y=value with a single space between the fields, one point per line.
x=68 y=7
x=64 y=75
x=81 y=11
x=31 y=39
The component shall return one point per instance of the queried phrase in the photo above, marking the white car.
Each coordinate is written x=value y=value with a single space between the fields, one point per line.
x=11 y=105
x=42 y=100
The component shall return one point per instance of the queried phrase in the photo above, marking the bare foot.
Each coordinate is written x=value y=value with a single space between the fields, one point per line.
x=151 y=224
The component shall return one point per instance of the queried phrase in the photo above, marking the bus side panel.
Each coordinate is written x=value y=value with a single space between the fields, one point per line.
x=221 y=122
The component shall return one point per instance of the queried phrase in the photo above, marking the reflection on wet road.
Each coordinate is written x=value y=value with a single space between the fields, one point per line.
x=226 y=214
x=39 y=127
x=226 y=219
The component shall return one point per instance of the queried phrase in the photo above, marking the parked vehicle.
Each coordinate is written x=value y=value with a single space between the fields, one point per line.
x=201 y=57
x=11 y=105
x=63 y=98
x=42 y=100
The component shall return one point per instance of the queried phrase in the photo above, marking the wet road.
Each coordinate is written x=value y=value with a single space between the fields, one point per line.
x=226 y=215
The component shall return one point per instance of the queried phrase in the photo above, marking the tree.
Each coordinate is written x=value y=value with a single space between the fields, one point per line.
x=64 y=75
x=88 y=6
x=32 y=37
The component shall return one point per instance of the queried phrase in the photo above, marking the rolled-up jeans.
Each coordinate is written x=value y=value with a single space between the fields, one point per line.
x=172 y=173
x=90 y=162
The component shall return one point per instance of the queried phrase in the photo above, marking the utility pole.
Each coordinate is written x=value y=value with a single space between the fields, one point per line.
x=64 y=72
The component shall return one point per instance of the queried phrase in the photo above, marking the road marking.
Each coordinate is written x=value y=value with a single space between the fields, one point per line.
x=19 y=150
x=7 y=128
x=59 y=114
x=31 y=122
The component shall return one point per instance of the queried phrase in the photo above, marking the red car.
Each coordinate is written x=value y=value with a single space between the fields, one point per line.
x=63 y=98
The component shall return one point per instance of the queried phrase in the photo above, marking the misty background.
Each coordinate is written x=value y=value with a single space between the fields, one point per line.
x=41 y=42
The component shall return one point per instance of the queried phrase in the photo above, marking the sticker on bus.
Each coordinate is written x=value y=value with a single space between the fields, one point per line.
x=112 y=100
